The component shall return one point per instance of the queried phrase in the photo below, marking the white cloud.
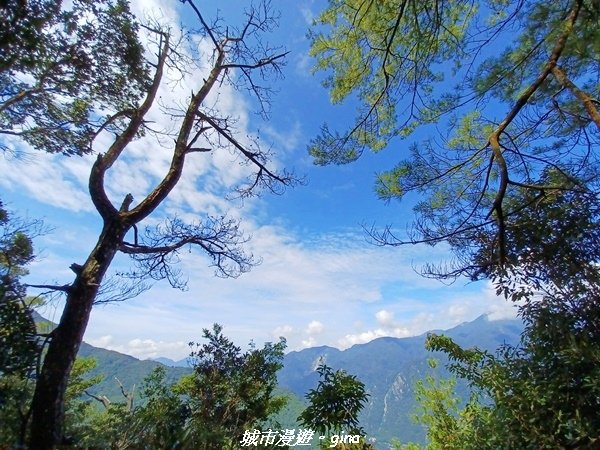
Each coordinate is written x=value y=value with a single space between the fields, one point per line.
x=502 y=309
x=307 y=13
x=438 y=314
x=154 y=10
x=360 y=338
x=48 y=178
x=315 y=327
x=148 y=348
x=387 y=327
x=385 y=318
x=102 y=341
x=141 y=348
x=309 y=342
x=283 y=331
x=285 y=141
x=458 y=312
x=297 y=293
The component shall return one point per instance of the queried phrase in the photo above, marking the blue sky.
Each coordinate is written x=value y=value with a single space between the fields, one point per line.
x=320 y=281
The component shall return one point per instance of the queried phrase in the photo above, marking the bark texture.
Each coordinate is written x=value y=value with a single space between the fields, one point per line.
x=48 y=400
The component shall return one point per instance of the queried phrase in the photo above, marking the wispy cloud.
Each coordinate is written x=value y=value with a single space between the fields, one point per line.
x=50 y=179
x=329 y=288
x=142 y=348
x=444 y=312
x=317 y=294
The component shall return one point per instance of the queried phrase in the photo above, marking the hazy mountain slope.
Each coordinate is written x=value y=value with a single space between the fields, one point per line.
x=127 y=369
x=389 y=367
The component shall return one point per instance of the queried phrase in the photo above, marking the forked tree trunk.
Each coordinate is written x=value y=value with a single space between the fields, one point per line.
x=47 y=407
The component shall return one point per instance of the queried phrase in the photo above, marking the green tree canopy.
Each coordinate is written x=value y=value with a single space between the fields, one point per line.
x=515 y=83
x=230 y=391
x=20 y=345
x=335 y=403
x=511 y=184
x=59 y=86
x=543 y=393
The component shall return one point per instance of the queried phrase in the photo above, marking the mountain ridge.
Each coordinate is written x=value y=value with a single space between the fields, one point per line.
x=388 y=366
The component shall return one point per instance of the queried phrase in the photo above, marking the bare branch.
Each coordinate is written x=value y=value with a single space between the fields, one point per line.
x=205 y=25
x=248 y=154
x=104 y=162
x=128 y=395
x=100 y=398
x=146 y=206
x=158 y=255
x=52 y=287
x=588 y=102
x=263 y=62
x=119 y=288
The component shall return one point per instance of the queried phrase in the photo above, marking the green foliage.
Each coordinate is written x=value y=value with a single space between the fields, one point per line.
x=19 y=343
x=18 y=337
x=553 y=245
x=548 y=390
x=449 y=424
x=513 y=87
x=16 y=249
x=381 y=51
x=230 y=391
x=158 y=422
x=56 y=75
x=17 y=391
x=163 y=417
x=334 y=404
x=15 y=395
x=440 y=413
x=543 y=393
x=79 y=409
x=112 y=427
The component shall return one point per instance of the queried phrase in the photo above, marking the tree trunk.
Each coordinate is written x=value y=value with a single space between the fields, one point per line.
x=47 y=407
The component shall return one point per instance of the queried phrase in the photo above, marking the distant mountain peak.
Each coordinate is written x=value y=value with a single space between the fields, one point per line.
x=389 y=367
x=171 y=363
x=484 y=317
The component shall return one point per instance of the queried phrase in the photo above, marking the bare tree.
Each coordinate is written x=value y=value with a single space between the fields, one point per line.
x=239 y=58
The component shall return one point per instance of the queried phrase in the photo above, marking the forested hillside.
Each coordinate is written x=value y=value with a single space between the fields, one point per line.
x=389 y=368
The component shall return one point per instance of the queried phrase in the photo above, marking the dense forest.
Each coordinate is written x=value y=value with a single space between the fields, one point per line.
x=509 y=93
